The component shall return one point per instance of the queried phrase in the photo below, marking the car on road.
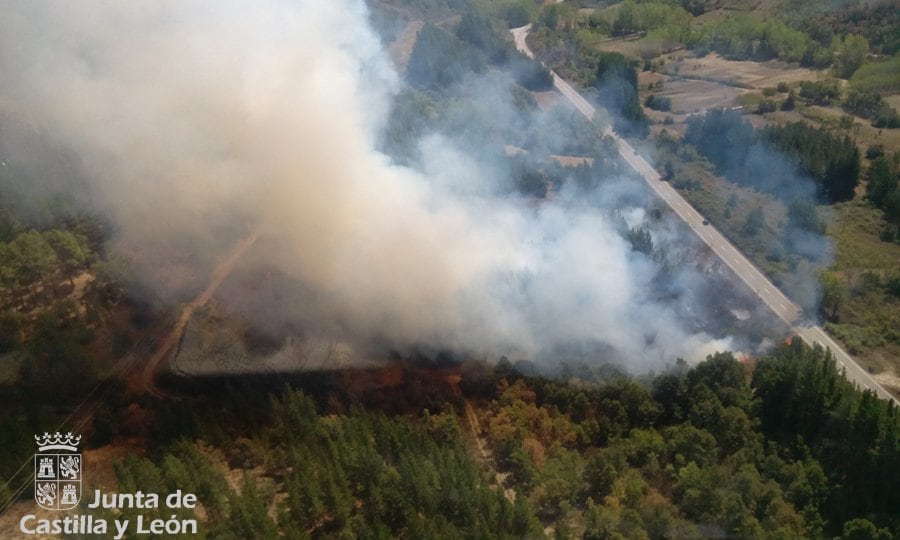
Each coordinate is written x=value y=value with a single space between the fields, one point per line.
x=705 y=222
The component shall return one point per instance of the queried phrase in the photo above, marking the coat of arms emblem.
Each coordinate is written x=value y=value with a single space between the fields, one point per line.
x=57 y=471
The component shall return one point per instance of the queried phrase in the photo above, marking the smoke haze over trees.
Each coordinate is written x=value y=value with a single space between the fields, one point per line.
x=282 y=141
x=442 y=213
x=778 y=159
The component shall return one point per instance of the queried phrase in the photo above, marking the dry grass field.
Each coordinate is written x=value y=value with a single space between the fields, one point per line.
x=697 y=84
x=742 y=73
x=690 y=95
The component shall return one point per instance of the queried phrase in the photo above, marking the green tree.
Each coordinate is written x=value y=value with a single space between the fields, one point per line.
x=616 y=83
x=33 y=257
x=820 y=92
x=832 y=294
x=557 y=16
x=600 y=474
x=9 y=278
x=803 y=215
x=688 y=444
x=849 y=54
x=755 y=221
x=626 y=19
x=10 y=330
x=249 y=516
x=658 y=103
x=640 y=240
x=789 y=103
x=863 y=529
x=485 y=34
x=71 y=251
x=882 y=181
x=439 y=59
x=58 y=361
x=892 y=209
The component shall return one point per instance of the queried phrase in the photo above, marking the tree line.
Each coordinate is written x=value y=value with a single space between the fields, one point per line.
x=782 y=446
x=778 y=446
x=776 y=158
x=34 y=259
x=304 y=468
x=616 y=85
x=441 y=58
x=883 y=189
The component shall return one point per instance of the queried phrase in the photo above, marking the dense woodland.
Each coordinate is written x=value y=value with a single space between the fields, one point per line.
x=779 y=447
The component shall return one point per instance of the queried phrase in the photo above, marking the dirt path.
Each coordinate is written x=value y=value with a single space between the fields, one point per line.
x=471 y=417
x=480 y=443
x=146 y=382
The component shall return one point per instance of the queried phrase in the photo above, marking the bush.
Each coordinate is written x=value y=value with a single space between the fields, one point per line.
x=486 y=35
x=874 y=151
x=440 y=59
x=879 y=77
x=820 y=93
x=658 y=103
x=886 y=117
x=789 y=103
x=531 y=74
x=868 y=104
x=766 y=106
x=616 y=84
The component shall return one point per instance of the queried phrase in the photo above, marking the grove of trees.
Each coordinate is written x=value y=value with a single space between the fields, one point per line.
x=779 y=446
x=777 y=159
x=616 y=84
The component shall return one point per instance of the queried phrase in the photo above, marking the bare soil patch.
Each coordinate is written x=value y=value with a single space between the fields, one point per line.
x=893 y=101
x=546 y=100
x=401 y=49
x=572 y=161
x=889 y=380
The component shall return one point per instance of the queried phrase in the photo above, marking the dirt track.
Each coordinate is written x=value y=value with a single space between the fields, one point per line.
x=145 y=382
x=480 y=443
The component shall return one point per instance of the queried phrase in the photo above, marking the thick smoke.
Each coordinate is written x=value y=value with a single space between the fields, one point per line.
x=197 y=123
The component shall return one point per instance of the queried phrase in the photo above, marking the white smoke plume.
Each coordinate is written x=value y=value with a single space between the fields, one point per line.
x=196 y=122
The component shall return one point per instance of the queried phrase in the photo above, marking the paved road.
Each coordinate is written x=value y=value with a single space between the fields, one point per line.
x=780 y=304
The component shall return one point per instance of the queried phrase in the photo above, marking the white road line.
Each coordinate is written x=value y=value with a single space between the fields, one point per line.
x=714 y=239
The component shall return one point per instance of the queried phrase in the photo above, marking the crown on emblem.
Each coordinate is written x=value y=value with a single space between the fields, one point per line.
x=57 y=441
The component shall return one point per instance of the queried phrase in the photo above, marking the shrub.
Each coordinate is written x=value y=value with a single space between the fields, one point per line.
x=658 y=103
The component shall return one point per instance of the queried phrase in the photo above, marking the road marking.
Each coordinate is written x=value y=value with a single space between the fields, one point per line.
x=715 y=240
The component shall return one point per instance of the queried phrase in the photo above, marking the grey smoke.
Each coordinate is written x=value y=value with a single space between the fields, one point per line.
x=196 y=122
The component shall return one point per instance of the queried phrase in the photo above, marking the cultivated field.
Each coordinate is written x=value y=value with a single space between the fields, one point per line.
x=691 y=95
x=697 y=84
x=742 y=73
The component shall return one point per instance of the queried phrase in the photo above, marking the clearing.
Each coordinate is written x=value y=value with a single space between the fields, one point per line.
x=740 y=73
